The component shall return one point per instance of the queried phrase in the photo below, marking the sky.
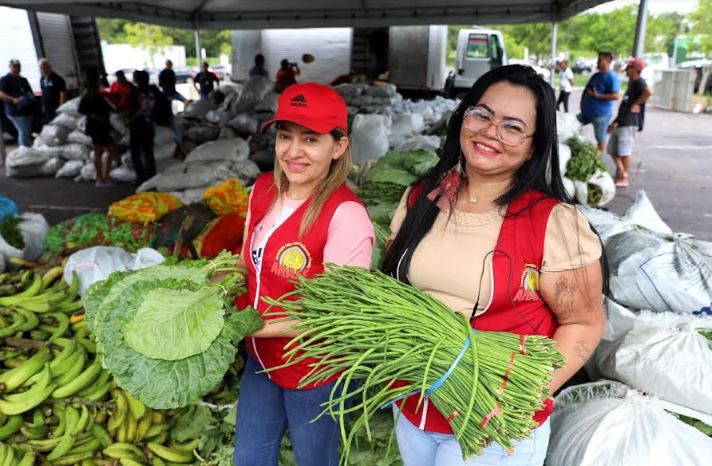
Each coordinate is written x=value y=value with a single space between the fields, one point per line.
x=654 y=6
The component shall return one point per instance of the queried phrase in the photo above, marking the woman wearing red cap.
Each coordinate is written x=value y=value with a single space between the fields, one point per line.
x=300 y=217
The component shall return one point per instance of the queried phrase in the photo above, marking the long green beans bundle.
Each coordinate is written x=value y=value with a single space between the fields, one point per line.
x=370 y=327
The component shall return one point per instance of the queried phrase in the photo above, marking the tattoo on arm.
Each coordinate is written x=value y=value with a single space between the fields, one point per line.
x=582 y=351
x=564 y=292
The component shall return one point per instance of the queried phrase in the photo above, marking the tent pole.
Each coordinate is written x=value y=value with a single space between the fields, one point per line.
x=640 y=26
x=554 y=37
x=198 y=53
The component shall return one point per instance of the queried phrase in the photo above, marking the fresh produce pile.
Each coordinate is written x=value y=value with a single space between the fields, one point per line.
x=59 y=405
x=11 y=233
x=585 y=160
x=377 y=329
x=167 y=333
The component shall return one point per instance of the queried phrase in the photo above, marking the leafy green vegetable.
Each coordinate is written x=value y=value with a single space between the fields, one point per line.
x=190 y=319
x=585 y=161
x=191 y=424
x=697 y=424
x=156 y=311
x=595 y=194
x=392 y=173
x=10 y=232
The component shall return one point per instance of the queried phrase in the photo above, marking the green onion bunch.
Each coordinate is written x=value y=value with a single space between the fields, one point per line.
x=368 y=327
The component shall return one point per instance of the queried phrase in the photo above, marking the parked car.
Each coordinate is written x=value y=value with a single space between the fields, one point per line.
x=584 y=65
x=183 y=74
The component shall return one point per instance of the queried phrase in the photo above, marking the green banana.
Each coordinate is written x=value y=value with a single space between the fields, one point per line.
x=77 y=367
x=69 y=436
x=88 y=345
x=104 y=377
x=69 y=306
x=73 y=458
x=28 y=459
x=101 y=435
x=129 y=462
x=44 y=445
x=83 y=380
x=144 y=424
x=31 y=319
x=137 y=408
x=39 y=335
x=34 y=396
x=12 y=424
x=83 y=421
x=8 y=456
x=92 y=444
x=9 y=354
x=156 y=461
x=59 y=329
x=98 y=393
x=120 y=450
x=14 y=363
x=32 y=290
x=18 y=321
x=35 y=432
x=87 y=462
x=171 y=454
x=51 y=275
x=157 y=429
x=12 y=379
x=121 y=409
x=187 y=446
x=61 y=413
x=63 y=362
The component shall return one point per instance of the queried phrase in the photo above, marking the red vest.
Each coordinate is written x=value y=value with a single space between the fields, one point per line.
x=516 y=307
x=285 y=258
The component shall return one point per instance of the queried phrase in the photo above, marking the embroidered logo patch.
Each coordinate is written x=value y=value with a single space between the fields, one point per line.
x=292 y=260
x=529 y=284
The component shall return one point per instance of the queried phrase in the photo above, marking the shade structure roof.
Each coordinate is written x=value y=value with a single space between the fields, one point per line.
x=263 y=14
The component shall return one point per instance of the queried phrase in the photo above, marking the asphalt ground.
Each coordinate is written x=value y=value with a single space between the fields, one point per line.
x=672 y=163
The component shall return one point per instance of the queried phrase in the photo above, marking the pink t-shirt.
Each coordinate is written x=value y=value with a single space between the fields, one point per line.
x=350 y=238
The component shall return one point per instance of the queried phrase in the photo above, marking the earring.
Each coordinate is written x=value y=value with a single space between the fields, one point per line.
x=449 y=185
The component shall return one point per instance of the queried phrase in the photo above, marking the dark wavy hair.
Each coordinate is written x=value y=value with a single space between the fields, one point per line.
x=540 y=172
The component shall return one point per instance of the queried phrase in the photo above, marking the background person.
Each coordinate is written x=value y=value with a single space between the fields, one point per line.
x=286 y=75
x=167 y=83
x=597 y=100
x=566 y=85
x=299 y=218
x=630 y=120
x=54 y=90
x=120 y=90
x=16 y=93
x=486 y=233
x=259 y=68
x=97 y=109
x=205 y=81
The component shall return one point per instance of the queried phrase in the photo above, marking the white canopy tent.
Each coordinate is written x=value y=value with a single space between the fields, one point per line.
x=263 y=14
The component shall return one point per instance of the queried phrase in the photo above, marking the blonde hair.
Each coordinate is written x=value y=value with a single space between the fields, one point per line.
x=338 y=172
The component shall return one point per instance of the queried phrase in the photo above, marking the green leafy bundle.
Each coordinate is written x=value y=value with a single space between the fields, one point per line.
x=393 y=173
x=585 y=160
x=10 y=232
x=167 y=333
x=369 y=326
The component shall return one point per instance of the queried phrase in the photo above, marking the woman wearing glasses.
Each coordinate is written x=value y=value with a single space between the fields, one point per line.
x=492 y=233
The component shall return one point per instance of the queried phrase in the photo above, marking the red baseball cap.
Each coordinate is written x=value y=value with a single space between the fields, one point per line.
x=315 y=106
x=635 y=63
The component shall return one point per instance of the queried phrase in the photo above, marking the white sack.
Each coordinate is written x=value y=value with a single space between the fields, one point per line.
x=429 y=143
x=76 y=151
x=70 y=169
x=567 y=126
x=79 y=137
x=70 y=107
x=52 y=135
x=24 y=162
x=118 y=124
x=369 y=137
x=665 y=355
x=97 y=263
x=51 y=167
x=673 y=277
x=227 y=150
x=608 y=424
x=33 y=229
x=245 y=123
x=123 y=174
x=601 y=179
x=66 y=121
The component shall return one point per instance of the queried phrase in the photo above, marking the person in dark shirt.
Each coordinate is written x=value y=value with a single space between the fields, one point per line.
x=286 y=75
x=259 y=68
x=167 y=83
x=146 y=106
x=16 y=93
x=97 y=109
x=54 y=90
x=597 y=99
x=205 y=81
x=630 y=119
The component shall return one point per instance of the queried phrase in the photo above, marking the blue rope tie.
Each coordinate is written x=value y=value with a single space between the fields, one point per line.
x=438 y=383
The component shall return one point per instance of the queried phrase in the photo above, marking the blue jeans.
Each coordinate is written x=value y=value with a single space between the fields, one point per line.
x=422 y=448
x=23 y=124
x=600 y=125
x=174 y=96
x=265 y=410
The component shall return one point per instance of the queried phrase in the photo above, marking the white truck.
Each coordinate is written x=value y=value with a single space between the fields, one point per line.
x=415 y=56
x=478 y=51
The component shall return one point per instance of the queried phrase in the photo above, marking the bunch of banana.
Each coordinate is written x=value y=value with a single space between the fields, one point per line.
x=45 y=293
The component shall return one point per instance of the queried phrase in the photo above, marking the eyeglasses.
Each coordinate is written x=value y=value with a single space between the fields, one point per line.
x=509 y=132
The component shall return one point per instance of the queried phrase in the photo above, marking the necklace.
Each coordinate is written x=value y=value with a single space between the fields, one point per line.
x=472 y=200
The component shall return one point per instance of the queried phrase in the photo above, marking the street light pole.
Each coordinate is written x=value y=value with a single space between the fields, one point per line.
x=639 y=44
